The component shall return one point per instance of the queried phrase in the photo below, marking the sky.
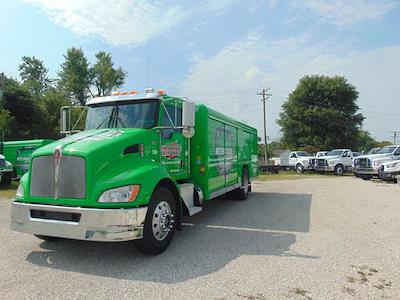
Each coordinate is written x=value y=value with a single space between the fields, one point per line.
x=222 y=52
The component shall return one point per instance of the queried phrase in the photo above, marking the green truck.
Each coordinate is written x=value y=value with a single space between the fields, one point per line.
x=142 y=162
x=18 y=153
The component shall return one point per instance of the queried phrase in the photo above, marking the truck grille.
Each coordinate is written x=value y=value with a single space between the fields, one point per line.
x=2 y=162
x=364 y=163
x=321 y=162
x=72 y=177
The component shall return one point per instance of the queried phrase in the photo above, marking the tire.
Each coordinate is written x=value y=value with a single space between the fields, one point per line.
x=366 y=177
x=160 y=223
x=6 y=179
x=299 y=169
x=47 y=238
x=339 y=170
x=243 y=192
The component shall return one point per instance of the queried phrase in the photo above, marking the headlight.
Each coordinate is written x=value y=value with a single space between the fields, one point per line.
x=20 y=192
x=331 y=162
x=122 y=194
x=392 y=165
x=8 y=164
x=305 y=162
x=377 y=163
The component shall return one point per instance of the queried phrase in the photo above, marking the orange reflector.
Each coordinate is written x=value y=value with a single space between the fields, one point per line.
x=124 y=94
x=202 y=169
x=161 y=92
x=133 y=92
x=134 y=193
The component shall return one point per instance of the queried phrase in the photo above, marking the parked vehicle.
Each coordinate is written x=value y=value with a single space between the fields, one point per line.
x=142 y=162
x=337 y=161
x=19 y=153
x=321 y=153
x=367 y=166
x=373 y=151
x=390 y=170
x=6 y=171
x=299 y=161
x=356 y=154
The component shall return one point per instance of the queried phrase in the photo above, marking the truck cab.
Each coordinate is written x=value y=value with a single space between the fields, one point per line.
x=367 y=166
x=337 y=161
x=300 y=161
x=140 y=164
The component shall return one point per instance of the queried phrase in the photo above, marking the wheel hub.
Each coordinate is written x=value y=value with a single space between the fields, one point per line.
x=163 y=220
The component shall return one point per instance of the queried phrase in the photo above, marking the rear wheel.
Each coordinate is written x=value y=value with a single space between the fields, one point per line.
x=159 y=224
x=243 y=192
x=339 y=170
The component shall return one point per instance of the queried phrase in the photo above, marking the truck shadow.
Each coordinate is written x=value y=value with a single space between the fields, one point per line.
x=264 y=225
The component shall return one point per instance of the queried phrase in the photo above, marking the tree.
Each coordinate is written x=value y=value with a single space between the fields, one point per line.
x=50 y=105
x=75 y=76
x=34 y=75
x=322 y=113
x=18 y=100
x=104 y=76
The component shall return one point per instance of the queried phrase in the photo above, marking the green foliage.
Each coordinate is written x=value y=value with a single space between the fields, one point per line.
x=104 y=76
x=18 y=101
x=321 y=113
x=75 y=76
x=34 y=75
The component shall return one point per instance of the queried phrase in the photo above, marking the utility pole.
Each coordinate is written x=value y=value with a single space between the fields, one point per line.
x=265 y=96
x=395 y=135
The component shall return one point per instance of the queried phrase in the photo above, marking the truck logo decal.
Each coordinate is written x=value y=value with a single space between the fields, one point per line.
x=171 y=150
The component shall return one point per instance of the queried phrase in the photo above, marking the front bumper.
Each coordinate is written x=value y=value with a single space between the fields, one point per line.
x=366 y=171
x=388 y=176
x=324 y=168
x=105 y=225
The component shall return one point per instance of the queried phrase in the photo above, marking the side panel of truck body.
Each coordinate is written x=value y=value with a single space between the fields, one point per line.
x=25 y=148
x=220 y=149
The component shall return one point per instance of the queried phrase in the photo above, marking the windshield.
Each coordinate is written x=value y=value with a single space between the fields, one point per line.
x=302 y=153
x=386 y=150
x=335 y=153
x=122 y=115
x=373 y=150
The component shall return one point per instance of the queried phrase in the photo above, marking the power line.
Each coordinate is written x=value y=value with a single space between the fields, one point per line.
x=265 y=96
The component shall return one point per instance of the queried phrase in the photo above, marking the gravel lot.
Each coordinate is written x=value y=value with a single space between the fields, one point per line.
x=315 y=238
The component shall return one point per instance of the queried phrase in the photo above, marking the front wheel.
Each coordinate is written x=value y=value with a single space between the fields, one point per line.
x=299 y=169
x=339 y=170
x=159 y=224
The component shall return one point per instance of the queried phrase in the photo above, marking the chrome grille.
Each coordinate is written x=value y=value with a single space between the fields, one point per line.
x=364 y=162
x=321 y=162
x=72 y=177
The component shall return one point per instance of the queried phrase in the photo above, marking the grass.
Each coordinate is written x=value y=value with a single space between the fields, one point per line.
x=8 y=192
x=292 y=175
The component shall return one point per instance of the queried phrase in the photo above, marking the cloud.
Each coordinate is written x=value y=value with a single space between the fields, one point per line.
x=119 y=23
x=347 y=12
x=229 y=81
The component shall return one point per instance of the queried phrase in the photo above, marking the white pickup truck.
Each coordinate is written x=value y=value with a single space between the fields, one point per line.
x=300 y=161
x=337 y=161
x=390 y=171
x=367 y=166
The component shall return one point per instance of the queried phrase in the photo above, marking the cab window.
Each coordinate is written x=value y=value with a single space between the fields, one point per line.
x=176 y=119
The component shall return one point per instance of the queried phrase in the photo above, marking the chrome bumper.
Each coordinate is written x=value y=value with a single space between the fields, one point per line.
x=106 y=225
x=323 y=168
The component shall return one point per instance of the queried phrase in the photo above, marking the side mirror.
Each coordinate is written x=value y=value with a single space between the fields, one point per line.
x=188 y=119
x=65 y=121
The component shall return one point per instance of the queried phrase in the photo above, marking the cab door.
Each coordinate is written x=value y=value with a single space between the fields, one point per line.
x=173 y=146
